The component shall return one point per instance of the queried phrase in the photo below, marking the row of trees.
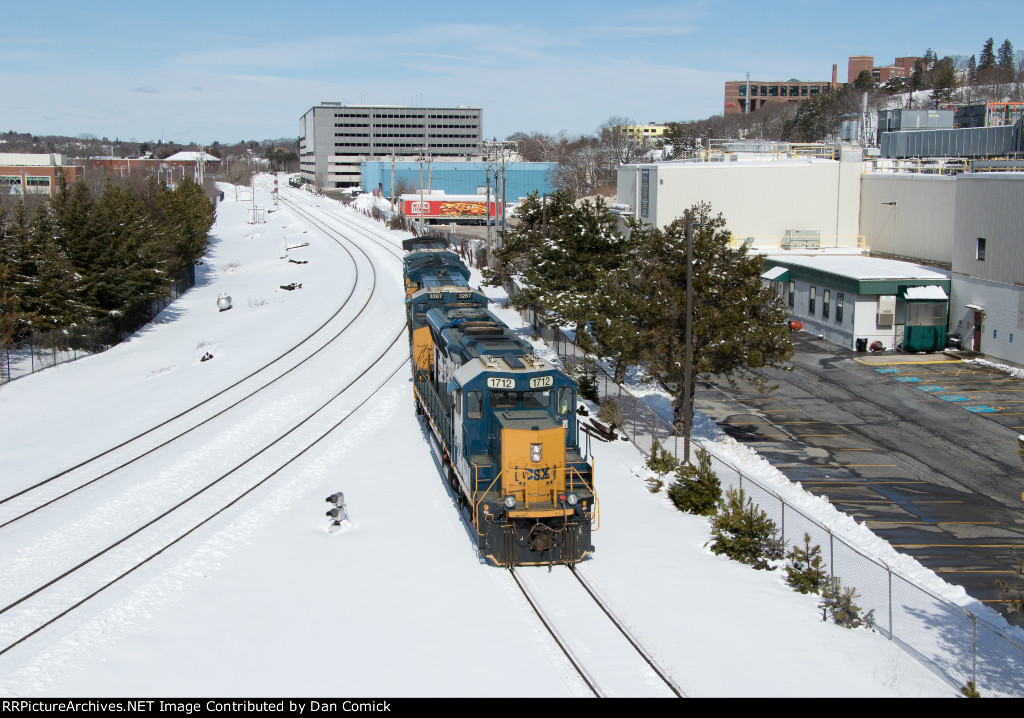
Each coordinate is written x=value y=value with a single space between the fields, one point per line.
x=85 y=255
x=625 y=294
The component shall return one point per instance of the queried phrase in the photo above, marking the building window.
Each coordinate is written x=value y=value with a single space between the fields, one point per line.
x=792 y=293
x=839 y=308
x=753 y=90
x=981 y=249
x=810 y=301
x=814 y=89
x=764 y=90
x=825 y=299
x=773 y=91
x=803 y=90
x=743 y=90
x=794 y=91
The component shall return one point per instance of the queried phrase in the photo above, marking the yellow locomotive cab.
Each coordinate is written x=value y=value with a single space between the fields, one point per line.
x=533 y=468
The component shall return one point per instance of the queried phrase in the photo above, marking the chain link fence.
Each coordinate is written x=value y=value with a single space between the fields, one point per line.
x=48 y=348
x=956 y=644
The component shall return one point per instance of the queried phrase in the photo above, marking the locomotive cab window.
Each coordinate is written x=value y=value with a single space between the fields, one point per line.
x=536 y=399
x=458 y=401
x=565 y=402
x=504 y=400
x=474 y=404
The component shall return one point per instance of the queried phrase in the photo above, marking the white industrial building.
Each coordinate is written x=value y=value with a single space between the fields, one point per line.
x=856 y=301
x=792 y=202
x=910 y=216
x=987 y=302
x=335 y=138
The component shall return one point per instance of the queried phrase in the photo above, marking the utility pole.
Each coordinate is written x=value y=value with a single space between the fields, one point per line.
x=421 y=192
x=688 y=354
x=392 y=180
x=746 y=105
x=487 y=175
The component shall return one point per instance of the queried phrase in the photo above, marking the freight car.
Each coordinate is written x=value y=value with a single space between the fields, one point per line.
x=501 y=421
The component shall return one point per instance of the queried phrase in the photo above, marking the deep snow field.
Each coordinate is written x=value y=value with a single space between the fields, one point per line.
x=264 y=601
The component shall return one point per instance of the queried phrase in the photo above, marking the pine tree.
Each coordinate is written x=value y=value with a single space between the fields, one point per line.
x=969 y=690
x=838 y=603
x=1005 y=61
x=805 y=570
x=662 y=463
x=54 y=299
x=986 y=60
x=560 y=265
x=697 y=491
x=744 y=533
x=738 y=323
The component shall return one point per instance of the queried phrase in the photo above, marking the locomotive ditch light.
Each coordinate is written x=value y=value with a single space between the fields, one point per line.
x=510 y=502
x=536 y=452
x=571 y=499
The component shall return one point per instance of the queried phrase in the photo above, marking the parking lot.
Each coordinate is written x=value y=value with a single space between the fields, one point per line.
x=925 y=453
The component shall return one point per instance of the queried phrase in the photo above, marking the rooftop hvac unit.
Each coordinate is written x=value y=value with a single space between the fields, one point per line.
x=801 y=239
x=886 y=310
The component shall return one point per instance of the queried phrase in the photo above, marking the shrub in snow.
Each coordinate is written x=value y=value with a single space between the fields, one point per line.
x=838 y=602
x=804 y=570
x=969 y=690
x=744 y=533
x=610 y=412
x=696 y=490
x=662 y=463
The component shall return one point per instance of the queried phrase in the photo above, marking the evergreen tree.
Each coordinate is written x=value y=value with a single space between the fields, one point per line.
x=943 y=81
x=187 y=216
x=744 y=533
x=127 y=264
x=972 y=70
x=54 y=298
x=561 y=268
x=1005 y=61
x=738 y=323
x=986 y=61
x=697 y=491
x=805 y=570
x=838 y=603
x=661 y=462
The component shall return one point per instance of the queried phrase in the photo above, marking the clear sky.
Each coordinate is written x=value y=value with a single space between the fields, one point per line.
x=225 y=70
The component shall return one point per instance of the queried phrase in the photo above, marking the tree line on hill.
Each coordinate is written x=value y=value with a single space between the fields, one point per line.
x=625 y=293
x=85 y=255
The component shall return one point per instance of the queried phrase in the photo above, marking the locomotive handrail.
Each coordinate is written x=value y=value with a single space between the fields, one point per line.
x=597 y=501
x=476 y=504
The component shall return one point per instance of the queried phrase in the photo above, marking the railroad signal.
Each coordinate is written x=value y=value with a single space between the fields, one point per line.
x=339 y=512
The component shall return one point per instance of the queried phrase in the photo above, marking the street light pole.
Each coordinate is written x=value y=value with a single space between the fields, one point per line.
x=688 y=355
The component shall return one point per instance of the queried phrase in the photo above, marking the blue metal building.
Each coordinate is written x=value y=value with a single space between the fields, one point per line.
x=521 y=178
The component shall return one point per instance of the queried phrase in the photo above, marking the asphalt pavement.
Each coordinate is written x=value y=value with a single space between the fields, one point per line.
x=923 y=448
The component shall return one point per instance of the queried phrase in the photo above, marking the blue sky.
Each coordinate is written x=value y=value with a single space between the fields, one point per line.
x=203 y=71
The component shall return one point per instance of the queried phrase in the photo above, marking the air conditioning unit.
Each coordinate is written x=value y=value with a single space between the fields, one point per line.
x=801 y=239
x=886 y=310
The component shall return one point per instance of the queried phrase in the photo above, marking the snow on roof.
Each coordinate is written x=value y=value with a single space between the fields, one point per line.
x=192 y=157
x=929 y=292
x=774 y=273
x=861 y=267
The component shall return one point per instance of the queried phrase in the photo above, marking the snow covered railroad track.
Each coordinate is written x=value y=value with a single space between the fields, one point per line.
x=48 y=491
x=98 y=548
x=40 y=608
x=608 y=658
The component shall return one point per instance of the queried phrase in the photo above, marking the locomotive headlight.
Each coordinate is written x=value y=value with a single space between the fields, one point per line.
x=536 y=452
x=571 y=499
x=510 y=502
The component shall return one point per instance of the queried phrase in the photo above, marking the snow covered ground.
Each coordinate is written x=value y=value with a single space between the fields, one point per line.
x=263 y=600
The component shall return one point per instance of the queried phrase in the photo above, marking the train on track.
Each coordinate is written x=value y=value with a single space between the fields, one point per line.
x=501 y=421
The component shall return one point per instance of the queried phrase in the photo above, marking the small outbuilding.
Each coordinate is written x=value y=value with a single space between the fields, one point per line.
x=862 y=302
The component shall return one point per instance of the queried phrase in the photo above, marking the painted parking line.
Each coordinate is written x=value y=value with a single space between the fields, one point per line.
x=982 y=409
x=908 y=379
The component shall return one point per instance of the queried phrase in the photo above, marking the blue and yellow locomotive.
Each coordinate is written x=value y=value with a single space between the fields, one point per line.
x=502 y=421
